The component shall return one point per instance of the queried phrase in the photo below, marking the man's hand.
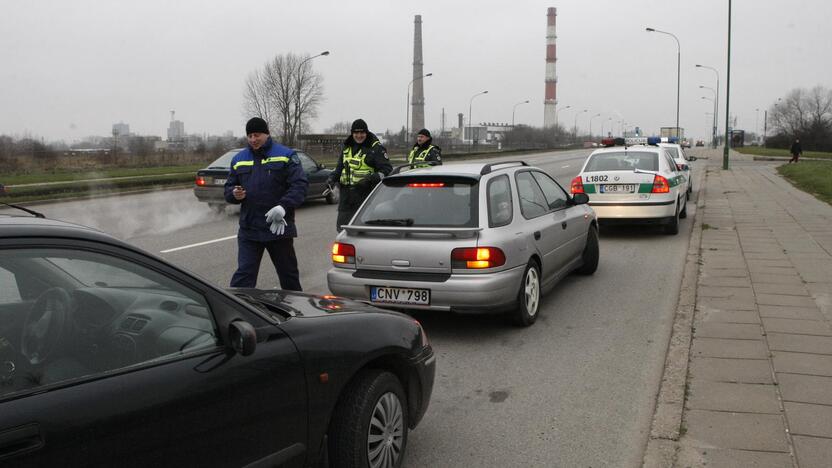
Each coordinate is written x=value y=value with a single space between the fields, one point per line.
x=275 y=215
x=239 y=192
x=278 y=227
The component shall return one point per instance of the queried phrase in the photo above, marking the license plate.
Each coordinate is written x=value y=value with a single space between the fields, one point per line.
x=219 y=181
x=617 y=188
x=410 y=296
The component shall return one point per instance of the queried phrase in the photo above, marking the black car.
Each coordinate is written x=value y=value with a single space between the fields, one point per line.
x=209 y=183
x=112 y=357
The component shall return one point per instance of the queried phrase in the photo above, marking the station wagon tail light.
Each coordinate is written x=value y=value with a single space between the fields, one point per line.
x=426 y=184
x=660 y=185
x=577 y=185
x=343 y=253
x=477 y=257
x=200 y=180
x=681 y=167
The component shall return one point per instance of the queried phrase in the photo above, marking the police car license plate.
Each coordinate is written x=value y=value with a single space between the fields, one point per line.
x=411 y=296
x=219 y=181
x=617 y=188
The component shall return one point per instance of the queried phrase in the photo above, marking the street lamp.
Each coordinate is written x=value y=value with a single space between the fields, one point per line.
x=609 y=119
x=678 y=71
x=715 y=100
x=298 y=117
x=575 y=126
x=590 y=124
x=470 y=126
x=757 y=124
x=727 y=94
x=716 y=104
x=515 y=108
x=407 y=107
x=556 y=115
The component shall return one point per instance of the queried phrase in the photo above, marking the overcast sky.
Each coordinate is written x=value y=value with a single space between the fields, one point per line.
x=69 y=69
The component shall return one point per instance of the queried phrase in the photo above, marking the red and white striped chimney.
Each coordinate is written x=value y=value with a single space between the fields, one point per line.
x=550 y=100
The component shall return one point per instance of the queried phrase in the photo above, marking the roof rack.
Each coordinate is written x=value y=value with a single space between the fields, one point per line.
x=398 y=169
x=488 y=168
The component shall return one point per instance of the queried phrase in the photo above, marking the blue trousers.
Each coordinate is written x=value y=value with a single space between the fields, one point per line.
x=282 y=253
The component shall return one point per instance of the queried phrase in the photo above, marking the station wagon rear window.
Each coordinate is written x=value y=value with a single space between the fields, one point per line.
x=623 y=161
x=422 y=202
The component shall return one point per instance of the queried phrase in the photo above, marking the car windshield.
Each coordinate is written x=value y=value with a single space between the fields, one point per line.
x=674 y=152
x=225 y=159
x=623 y=161
x=421 y=202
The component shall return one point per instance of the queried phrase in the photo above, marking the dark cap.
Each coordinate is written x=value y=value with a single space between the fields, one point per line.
x=424 y=132
x=359 y=125
x=257 y=125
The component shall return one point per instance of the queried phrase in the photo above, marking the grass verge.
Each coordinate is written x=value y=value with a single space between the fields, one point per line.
x=69 y=176
x=761 y=151
x=811 y=177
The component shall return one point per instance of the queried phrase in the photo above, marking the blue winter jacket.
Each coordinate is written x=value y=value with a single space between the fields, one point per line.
x=271 y=176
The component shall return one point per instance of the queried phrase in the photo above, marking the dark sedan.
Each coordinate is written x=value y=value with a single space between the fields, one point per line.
x=110 y=356
x=208 y=186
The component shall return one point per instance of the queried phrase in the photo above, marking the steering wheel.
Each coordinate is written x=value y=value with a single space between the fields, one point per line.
x=46 y=324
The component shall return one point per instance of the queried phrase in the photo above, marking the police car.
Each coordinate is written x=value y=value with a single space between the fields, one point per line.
x=681 y=159
x=634 y=181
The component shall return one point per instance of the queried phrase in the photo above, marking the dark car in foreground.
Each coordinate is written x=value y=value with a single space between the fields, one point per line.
x=209 y=182
x=110 y=356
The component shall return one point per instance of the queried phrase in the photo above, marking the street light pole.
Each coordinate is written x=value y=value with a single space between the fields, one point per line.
x=575 y=126
x=727 y=94
x=515 y=108
x=715 y=99
x=713 y=142
x=716 y=104
x=678 y=71
x=470 y=126
x=407 y=108
x=590 y=124
x=556 y=116
x=298 y=117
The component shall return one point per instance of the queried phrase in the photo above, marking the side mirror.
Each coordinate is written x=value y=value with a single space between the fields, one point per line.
x=243 y=337
x=321 y=166
x=691 y=158
x=580 y=199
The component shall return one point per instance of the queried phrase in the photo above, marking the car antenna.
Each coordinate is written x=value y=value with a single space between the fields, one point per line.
x=31 y=212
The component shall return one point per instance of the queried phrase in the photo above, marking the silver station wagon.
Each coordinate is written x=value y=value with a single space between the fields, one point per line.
x=468 y=238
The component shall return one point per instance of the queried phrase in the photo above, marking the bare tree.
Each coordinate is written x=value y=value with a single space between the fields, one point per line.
x=803 y=111
x=342 y=127
x=284 y=93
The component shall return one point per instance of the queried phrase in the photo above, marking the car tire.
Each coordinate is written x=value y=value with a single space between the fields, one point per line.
x=333 y=197
x=684 y=213
x=528 y=297
x=217 y=207
x=672 y=227
x=374 y=403
x=591 y=253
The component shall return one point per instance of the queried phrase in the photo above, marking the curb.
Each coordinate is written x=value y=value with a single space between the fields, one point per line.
x=666 y=428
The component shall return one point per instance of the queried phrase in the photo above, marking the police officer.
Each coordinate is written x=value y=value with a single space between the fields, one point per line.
x=424 y=151
x=268 y=181
x=362 y=165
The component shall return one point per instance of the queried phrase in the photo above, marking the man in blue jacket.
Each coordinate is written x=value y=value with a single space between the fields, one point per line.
x=268 y=181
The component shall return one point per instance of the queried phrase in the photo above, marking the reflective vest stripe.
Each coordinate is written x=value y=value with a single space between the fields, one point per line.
x=355 y=168
x=282 y=159
x=420 y=156
x=243 y=163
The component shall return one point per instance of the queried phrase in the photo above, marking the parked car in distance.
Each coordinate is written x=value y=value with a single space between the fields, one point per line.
x=110 y=356
x=468 y=238
x=210 y=181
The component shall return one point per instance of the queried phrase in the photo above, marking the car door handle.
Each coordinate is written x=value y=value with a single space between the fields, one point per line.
x=20 y=439
x=537 y=235
x=563 y=224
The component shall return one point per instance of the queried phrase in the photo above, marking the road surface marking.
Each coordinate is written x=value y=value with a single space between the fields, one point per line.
x=564 y=167
x=198 y=244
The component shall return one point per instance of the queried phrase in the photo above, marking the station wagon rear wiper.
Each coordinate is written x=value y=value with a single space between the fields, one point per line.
x=390 y=222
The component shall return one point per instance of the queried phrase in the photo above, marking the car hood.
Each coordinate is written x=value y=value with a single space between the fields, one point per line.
x=298 y=304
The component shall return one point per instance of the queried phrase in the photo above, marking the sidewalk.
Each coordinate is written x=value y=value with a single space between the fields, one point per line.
x=757 y=354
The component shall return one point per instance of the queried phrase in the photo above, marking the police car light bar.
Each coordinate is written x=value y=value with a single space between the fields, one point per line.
x=642 y=141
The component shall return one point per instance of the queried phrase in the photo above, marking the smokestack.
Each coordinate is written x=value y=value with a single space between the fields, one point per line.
x=460 y=118
x=418 y=102
x=550 y=99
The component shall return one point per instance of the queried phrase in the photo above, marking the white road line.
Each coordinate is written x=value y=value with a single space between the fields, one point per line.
x=199 y=244
x=564 y=167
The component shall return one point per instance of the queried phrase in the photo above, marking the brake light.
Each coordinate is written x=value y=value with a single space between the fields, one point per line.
x=343 y=253
x=200 y=180
x=426 y=185
x=660 y=185
x=477 y=257
x=608 y=141
x=577 y=185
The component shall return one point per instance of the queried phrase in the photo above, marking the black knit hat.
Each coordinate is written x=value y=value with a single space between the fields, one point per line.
x=424 y=132
x=257 y=125
x=358 y=125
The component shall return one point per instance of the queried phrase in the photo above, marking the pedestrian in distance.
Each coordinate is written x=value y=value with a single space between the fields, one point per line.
x=362 y=165
x=268 y=181
x=424 y=151
x=796 y=151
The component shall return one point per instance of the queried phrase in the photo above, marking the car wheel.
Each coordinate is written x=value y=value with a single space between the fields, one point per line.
x=528 y=298
x=333 y=196
x=217 y=208
x=591 y=253
x=684 y=213
x=672 y=228
x=369 y=426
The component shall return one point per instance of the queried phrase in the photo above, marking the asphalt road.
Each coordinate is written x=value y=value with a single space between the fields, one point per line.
x=575 y=389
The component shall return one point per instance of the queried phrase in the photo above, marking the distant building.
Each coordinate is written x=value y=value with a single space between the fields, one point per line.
x=121 y=129
x=176 y=131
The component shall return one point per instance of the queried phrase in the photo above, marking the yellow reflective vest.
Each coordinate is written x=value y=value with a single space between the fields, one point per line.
x=420 y=156
x=355 y=168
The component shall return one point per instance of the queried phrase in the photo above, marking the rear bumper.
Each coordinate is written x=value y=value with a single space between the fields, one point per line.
x=210 y=194
x=655 y=211
x=471 y=293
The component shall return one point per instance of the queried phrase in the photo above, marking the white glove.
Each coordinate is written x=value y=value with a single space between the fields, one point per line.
x=278 y=227
x=275 y=214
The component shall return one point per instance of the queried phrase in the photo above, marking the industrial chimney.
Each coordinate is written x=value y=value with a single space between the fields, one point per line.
x=418 y=102
x=550 y=100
